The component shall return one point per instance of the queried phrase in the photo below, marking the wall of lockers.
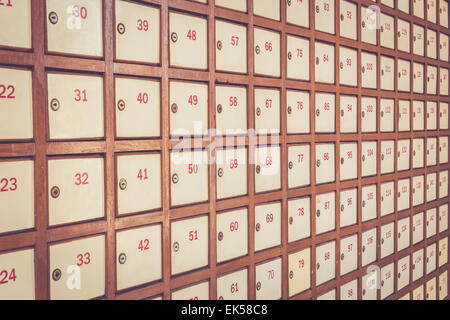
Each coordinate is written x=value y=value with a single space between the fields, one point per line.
x=224 y=149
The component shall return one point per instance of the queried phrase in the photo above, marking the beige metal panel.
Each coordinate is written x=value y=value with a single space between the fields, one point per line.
x=403 y=272
x=387 y=198
x=387 y=239
x=443 y=115
x=418 y=8
x=418 y=190
x=431 y=151
x=389 y=3
x=298 y=109
x=387 y=31
x=431 y=187
x=188 y=169
x=267 y=52
x=231 y=165
x=431 y=44
x=17 y=105
x=349 y=161
x=231 y=47
x=188 y=41
x=404 y=115
x=75 y=27
x=443 y=184
x=299 y=218
x=16 y=24
x=418 y=77
x=403 y=154
x=299 y=265
x=403 y=34
x=418 y=115
x=431 y=289
x=368 y=114
x=348 y=114
x=348 y=17
x=325 y=112
x=324 y=16
x=231 y=110
x=387 y=70
x=369 y=283
x=189 y=238
x=443 y=47
x=233 y=286
x=403 y=6
x=137 y=32
x=443 y=13
x=368 y=25
x=267 y=225
x=297 y=58
x=369 y=246
x=349 y=291
x=17 y=270
x=403 y=194
x=348 y=207
x=268 y=280
x=324 y=68
x=443 y=251
x=431 y=10
x=443 y=285
x=325 y=263
x=196 y=292
x=443 y=149
x=387 y=281
x=297 y=12
x=139 y=257
x=348 y=66
x=325 y=168
x=325 y=212
x=369 y=70
x=403 y=238
x=387 y=156
x=267 y=9
x=443 y=82
x=404 y=75
x=418 y=293
x=267 y=168
x=238 y=5
x=77 y=269
x=418 y=40
x=298 y=166
x=386 y=115
x=369 y=202
x=349 y=254
x=368 y=158
x=16 y=195
x=431 y=222
x=418 y=225
x=330 y=295
x=232 y=234
x=430 y=253
x=431 y=115
x=267 y=111
x=418 y=264
x=431 y=79
x=443 y=217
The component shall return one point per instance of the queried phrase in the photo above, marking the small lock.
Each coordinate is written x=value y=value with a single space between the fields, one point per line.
x=382 y=156
x=123 y=184
x=364 y=292
x=414 y=228
x=399 y=275
x=399 y=75
x=122 y=258
x=220 y=236
x=440 y=253
x=428 y=42
x=176 y=246
x=382 y=72
x=363 y=114
x=289 y=55
x=258 y=111
x=318 y=265
x=291 y=165
x=291 y=220
x=317 y=9
x=399 y=115
x=174 y=108
x=53 y=17
x=414 y=266
x=414 y=114
x=342 y=207
x=363 y=203
x=56 y=274
x=414 y=38
x=382 y=283
x=342 y=113
x=257 y=50
x=399 y=35
x=398 y=154
x=363 y=248
x=288 y=2
x=341 y=65
x=220 y=172
x=382 y=198
x=342 y=256
x=219 y=45
x=121 y=28
x=175 y=178
x=382 y=240
x=219 y=108
x=121 y=105
x=415 y=76
x=428 y=259
x=342 y=160
x=363 y=24
x=363 y=158
x=363 y=69
x=258 y=286
x=55 y=192
x=318 y=213
x=174 y=37
x=399 y=235
x=258 y=169
x=220 y=298
x=258 y=227
x=342 y=17
x=317 y=60
x=414 y=190
x=414 y=152
x=54 y=104
x=291 y=274
x=317 y=112
x=399 y=194
x=289 y=109
x=318 y=163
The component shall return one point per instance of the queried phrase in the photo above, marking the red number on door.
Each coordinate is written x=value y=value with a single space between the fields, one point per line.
x=81 y=178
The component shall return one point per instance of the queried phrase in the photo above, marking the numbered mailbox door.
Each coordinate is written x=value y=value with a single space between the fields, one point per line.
x=387 y=73
x=368 y=114
x=348 y=114
x=369 y=284
x=418 y=293
x=231 y=172
x=443 y=251
x=443 y=184
x=387 y=31
x=196 y=292
x=443 y=150
x=232 y=231
x=299 y=164
x=267 y=8
x=387 y=156
x=77 y=269
x=431 y=151
x=431 y=187
x=16 y=195
x=139 y=259
x=299 y=264
x=431 y=10
x=443 y=285
x=369 y=21
x=418 y=224
x=418 y=115
x=403 y=34
x=325 y=266
x=325 y=212
x=349 y=254
x=325 y=114
x=325 y=163
x=403 y=233
x=430 y=258
x=418 y=40
x=298 y=58
x=267 y=225
x=231 y=110
x=348 y=66
x=268 y=280
x=17 y=270
x=137 y=32
x=138 y=182
x=404 y=75
x=349 y=161
x=267 y=111
x=16 y=104
x=369 y=70
x=418 y=7
x=403 y=272
x=188 y=169
x=443 y=217
x=386 y=115
x=75 y=106
x=443 y=80
x=16 y=17
x=298 y=110
x=324 y=62
x=403 y=194
x=443 y=13
x=418 y=264
x=233 y=286
x=138 y=111
x=297 y=12
x=403 y=147
x=418 y=190
x=189 y=239
x=188 y=41
x=431 y=44
x=349 y=291
x=443 y=47
x=387 y=281
x=418 y=77
x=324 y=16
x=76 y=190
x=348 y=215
x=431 y=79
x=75 y=27
x=299 y=215
x=369 y=158
x=387 y=240
x=369 y=246
x=267 y=52
x=267 y=169
x=369 y=202
x=231 y=47
x=443 y=115
x=431 y=289
x=348 y=18
x=237 y=5
x=418 y=153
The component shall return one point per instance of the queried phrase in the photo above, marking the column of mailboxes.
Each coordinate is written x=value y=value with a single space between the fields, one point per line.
x=76 y=112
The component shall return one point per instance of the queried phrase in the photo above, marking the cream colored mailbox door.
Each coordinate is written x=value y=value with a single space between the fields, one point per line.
x=348 y=215
x=297 y=12
x=418 y=264
x=17 y=195
x=17 y=275
x=404 y=75
x=369 y=246
x=189 y=239
x=369 y=70
x=237 y=5
x=387 y=156
x=403 y=194
x=232 y=231
x=325 y=163
x=325 y=114
x=443 y=217
x=431 y=44
x=299 y=217
x=196 y=292
x=267 y=225
x=325 y=266
x=299 y=265
x=443 y=47
x=443 y=184
x=231 y=47
x=298 y=58
x=418 y=8
x=138 y=254
x=231 y=172
x=267 y=168
x=387 y=239
x=267 y=52
x=387 y=281
x=138 y=108
x=443 y=149
x=324 y=15
x=443 y=80
x=418 y=115
x=137 y=32
x=368 y=158
x=349 y=161
x=75 y=190
x=430 y=258
x=16 y=109
x=324 y=68
x=369 y=202
x=188 y=41
x=443 y=285
x=387 y=31
x=418 y=293
x=368 y=114
x=267 y=111
x=386 y=115
x=403 y=147
x=418 y=224
x=268 y=280
x=387 y=198
x=431 y=187
x=231 y=110
x=403 y=233
x=431 y=152
x=348 y=114
x=443 y=115
x=349 y=291
x=443 y=251
x=431 y=222
x=75 y=27
x=348 y=66
x=16 y=15
x=233 y=286
x=403 y=34
x=403 y=272
x=368 y=25
x=418 y=77
x=418 y=40
x=188 y=169
x=267 y=8
x=298 y=165
x=348 y=17
x=418 y=190
x=78 y=263
x=443 y=13
x=404 y=111
x=387 y=73
x=325 y=212
x=75 y=106
x=431 y=10
x=431 y=79
x=298 y=109
x=349 y=254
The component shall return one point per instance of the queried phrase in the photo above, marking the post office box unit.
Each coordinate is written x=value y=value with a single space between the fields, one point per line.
x=299 y=165
x=137 y=32
x=349 y=291
x=196 y=292
x=431 y=289
x=233 y=286
x=16 y=17
x=139 y=258
x=231 y=166
x=368 y=158
x=189 y=238
x=443 y=82
x=443 y=184
x=387 y=240
x=418 y=224
x=267 y=168
x=431 y=187
x=418 y=264
x=75 y=27
x=403 y=34
x=404 y=75
x=418 y=153
x=443 y=251
x=403 y=147
x=369 y=283
x=418 y=77
x=348 y=114
x=368 y=114
x=403 y=238
x=349 y=254
x=267 y=225
x=348 y=162
x=268 y=280
x=325 y=262
x=443 y=115
x=431 y=152
x=431 y=10
x=443 y=285
x=324 y=69
x=231 y=110
x=267 y=8
x=369 y=22
x=16 y=109
x=237 y=5
x=443 y=218
x=387 y=70
x=431 y=79
x=17 y=270
x=387 y=31
x=403 y=6
x=297 y=12
x=328 y=296
x=443 y=13
x=386 y=115
x=232 y=234
x=298 y=110
x=348 y=66
x=267 y=52
x=325 y=163
x=443 y=47
x=77 y=264
x=431 y=115
x=430 y=253
x=267 y=111
x=387 y=198
x=325 y=112
x=299 y=265
x=368 y=246
x=369 y=70
x=325 y=212
x=348 y=207
x=403 y=194
x=443 y=149
x=231 y=47
x=387 y=156
x=418 y=115
x=187 y=169
x=418 y=8
x=418 y=40
x=418 y=190
x=16 y=195
x=297 y=58
x=324 y=16
x=387 y=281
x=299 y=215
x=348 y=16
x=369 y=202
x=431 y=222
x=418 y=293
x=188 y=41
x=403 y=273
